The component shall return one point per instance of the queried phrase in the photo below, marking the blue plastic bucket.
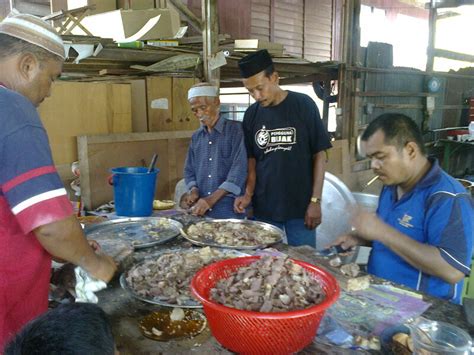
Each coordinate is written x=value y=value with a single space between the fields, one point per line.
x=134 y=191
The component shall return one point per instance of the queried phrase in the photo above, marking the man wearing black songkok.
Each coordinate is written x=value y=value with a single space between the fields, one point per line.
x=285 y=141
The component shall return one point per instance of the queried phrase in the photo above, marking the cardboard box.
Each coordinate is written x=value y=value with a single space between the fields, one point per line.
x=131 y=25
x=135 y=4
x=100 y=5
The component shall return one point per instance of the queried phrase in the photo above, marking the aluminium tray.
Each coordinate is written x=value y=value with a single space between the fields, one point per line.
x=279 y=234
x=192 y=303
x=140 y=232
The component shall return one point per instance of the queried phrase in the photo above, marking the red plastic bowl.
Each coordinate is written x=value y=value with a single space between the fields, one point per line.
x=249 y=332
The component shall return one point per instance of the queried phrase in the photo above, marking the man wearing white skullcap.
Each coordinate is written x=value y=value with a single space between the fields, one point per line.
x=216 y=165
x=36 y=217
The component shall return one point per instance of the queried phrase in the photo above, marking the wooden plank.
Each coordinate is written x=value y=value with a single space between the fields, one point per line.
x=182 y=116
x=289 y=21
x=261 y=24
x=318 y=52
x=100 y=153
x=139 y=106
x=264 y=36
x=159 y=103
x=260 y=33
x=84 y=108
x=264 y=10
x=282 y=14
x=317 y=28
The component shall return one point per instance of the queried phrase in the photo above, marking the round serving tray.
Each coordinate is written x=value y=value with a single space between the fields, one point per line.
x=140 y=232
x=192 y=303
x=210 y=242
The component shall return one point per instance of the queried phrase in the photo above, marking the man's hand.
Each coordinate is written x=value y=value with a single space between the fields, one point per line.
x=312 y=218
x=65 y=240
x=201 y=207
x=346 y=241
x=104 y=269
x=241 y=203
x=367 y=225
x=189 y=198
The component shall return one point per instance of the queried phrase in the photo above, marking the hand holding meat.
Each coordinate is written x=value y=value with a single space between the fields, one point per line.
x=104 y=269
x=346 y=241
x=189 y=198
x=201 y=207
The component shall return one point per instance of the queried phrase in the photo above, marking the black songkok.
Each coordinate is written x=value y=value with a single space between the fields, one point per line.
x=254 y=63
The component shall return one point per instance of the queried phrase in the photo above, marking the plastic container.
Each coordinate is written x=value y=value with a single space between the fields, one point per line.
x=247 y=332
x=134 y=191
x=438 y=338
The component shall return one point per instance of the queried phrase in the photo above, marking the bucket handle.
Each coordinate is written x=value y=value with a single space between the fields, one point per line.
x=110 y=179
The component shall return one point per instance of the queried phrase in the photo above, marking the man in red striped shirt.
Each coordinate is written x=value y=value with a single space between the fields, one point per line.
x=36 y=217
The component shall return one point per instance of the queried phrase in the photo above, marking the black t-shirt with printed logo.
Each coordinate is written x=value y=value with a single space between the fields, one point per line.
x=283 y=140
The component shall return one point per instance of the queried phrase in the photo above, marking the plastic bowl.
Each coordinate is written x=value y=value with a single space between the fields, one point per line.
x=248 y=332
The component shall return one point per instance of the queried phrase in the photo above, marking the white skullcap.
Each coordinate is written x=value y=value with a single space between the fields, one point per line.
x=208 y=90
x=33 y=30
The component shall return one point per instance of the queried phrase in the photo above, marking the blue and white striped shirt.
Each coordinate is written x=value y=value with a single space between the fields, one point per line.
x=218 y=160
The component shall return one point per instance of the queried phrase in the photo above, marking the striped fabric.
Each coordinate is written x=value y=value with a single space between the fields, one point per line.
x=33 y=30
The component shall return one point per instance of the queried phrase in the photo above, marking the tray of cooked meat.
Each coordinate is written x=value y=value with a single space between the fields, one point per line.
x=233 y=233
x=164 y=278
x=139 y=232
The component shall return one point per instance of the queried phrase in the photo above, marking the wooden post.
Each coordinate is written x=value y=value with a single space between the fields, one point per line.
x=187 y=14
x=431 y=39
x=210 y=36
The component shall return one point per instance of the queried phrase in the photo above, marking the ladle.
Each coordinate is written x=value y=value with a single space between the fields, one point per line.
x=153 y=162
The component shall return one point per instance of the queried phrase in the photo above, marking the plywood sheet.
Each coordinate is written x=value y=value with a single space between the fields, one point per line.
x=160 y=100
x=139 y=106
x=168 y=107
x=99 y=154
x=84 y=108
x=183 y=118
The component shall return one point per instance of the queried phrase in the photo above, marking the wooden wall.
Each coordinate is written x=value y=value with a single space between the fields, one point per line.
x=98 y=154
x=304 y=27
x=168 y=107
x=84 y=108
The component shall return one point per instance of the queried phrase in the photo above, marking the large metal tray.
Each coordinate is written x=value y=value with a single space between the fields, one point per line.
x=191 y=303
x=140 y=232
x=210 y=242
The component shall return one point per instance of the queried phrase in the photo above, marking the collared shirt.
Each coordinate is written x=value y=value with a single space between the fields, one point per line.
x=438 y=211
x=31 y=195
x=218 y=160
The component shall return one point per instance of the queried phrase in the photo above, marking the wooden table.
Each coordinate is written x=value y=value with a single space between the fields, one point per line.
x=125 y=311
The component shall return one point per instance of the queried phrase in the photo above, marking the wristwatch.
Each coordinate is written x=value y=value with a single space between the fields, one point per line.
x=315 y=199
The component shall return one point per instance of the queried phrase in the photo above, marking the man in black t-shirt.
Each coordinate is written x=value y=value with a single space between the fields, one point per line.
x=286 y=143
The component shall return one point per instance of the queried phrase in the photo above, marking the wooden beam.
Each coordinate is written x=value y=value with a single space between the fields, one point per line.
x=411 y=72
x=210 y=36
x=443 y=53
x=32 y=8
x=188 y=15
x=431 y=39
x=392 y=94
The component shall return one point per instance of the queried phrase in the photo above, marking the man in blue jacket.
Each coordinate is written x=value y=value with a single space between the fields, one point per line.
x=422 y=233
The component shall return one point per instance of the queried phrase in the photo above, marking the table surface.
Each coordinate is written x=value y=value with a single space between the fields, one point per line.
x=125 y=311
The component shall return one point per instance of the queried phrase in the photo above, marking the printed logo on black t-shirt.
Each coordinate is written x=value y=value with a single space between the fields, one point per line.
x=275 y=139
